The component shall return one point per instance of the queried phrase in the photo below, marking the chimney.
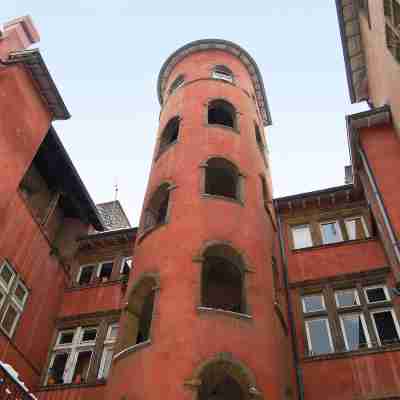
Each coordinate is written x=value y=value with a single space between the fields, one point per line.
x=18 y=34
x=348 y=174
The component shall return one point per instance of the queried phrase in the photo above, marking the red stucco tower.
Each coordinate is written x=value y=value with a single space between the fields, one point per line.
x=202 y=317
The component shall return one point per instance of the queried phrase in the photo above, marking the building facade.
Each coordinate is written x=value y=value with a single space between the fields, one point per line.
x=256 y=298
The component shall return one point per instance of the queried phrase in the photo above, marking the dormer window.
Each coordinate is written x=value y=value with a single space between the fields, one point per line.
x=176 y=84
x=222 y=72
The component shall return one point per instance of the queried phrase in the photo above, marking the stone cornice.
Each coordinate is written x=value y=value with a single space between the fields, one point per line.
x=223 y=45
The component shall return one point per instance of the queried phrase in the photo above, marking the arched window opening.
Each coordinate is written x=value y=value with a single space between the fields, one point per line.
x=265 y=191
x=222 y=179
x=222 y=279
x=221 y=112
x=222 y=72
x=223 y=380
x=156 y=212
x=145 y=319
x=169 y=135
x=177 y=83
x=139 y=313
x=259 y=140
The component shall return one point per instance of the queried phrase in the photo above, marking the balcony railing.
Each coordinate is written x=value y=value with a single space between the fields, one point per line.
x=11 y=388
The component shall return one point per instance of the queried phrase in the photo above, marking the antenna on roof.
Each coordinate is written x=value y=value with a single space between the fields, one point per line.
x=116 y=189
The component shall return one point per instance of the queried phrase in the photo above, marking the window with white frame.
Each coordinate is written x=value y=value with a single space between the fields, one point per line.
x=126 y=266
x=392 y=27
x=108 y=351
x=222 y=72
x=319 y=336
x=331 y=232
x=91 y=273
x=13 y=297
x=363 y=317
x=72 y=356
x=85 y=274
x=356 y=228
x=302 y=236
x=104 y=271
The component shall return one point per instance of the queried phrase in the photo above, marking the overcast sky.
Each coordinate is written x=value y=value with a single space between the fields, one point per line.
x=105 y=57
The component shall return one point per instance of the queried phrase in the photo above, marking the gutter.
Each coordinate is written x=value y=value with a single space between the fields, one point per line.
x=292 y=328
x=346 y=55
x=392 y=235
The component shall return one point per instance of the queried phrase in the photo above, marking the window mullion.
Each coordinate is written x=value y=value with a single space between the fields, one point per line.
x=97 y=351
x=333 y=318
x=367 y=315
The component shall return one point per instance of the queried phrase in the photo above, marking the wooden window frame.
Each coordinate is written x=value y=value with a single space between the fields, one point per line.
x=334 y=314
x=10 y=300
x=341 y=216
x=297 y=226
x=338 y=228
x=392 y=31
x=72 y=349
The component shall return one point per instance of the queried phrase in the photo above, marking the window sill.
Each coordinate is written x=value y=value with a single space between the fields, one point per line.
x=228 y=128
x=147 y=232
x=165 y=150
x=224 y=312
x=66 y=386
x=354 y=353
x=329 y=245
x=130 y=350
x=95 y=285
x=224 y=198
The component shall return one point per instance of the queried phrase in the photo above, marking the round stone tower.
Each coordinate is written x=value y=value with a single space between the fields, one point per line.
x=203 y=316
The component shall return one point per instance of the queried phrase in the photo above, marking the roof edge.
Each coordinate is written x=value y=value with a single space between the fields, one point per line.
x=95 y=217
x=34 y=63
x=314 y=193
x=223 y=45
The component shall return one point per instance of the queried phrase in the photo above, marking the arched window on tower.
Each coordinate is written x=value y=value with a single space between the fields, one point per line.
x=220 y=112
x=222 y=72
x=138 y=315
x=169 y=135
x=156 y=212
x=222 y=279
x=259 y=140
x=222 y=178
x=177 y=83
x=223 y=378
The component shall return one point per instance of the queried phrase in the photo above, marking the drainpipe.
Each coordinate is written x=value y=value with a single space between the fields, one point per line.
x=392 y=236
x=292 y=328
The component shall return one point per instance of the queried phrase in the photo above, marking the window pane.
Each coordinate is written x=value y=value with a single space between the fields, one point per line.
x=354 y=331
x=82 y=367
x=65 y=338
x=302 y=237
x=126 y=266
x=347 y=298
x=6 y=275
x=20 y=293
x=89 y=334
x=396 y=14
x=376 y=294
x=319 y=341
x=105 y=271
x=86 y=275
x=106 y=363
x=56 y=372
x=313 y=303
x=10 y=319
x=331 y=232
x=356 y=228
x=112 y=332
x=385 y=327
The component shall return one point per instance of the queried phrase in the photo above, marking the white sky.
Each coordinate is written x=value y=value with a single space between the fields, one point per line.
x=105 y=57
